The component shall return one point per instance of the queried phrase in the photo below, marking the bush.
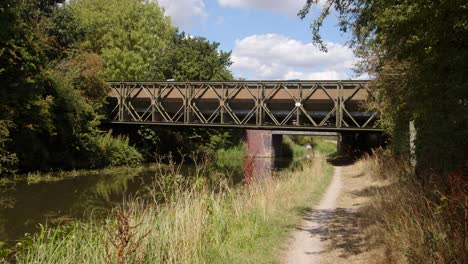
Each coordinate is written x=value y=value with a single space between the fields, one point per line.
x=8 y=160
x=115 y=151
x=303 y=140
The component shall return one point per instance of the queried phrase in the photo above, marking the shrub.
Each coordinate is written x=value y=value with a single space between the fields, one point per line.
x=303 y=140
x=115 y=151
x=8 y=160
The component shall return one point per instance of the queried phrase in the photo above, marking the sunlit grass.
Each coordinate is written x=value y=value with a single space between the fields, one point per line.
x=196 y=225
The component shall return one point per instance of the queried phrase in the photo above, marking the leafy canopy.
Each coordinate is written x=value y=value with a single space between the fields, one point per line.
x=132 y=36
x=416 y=50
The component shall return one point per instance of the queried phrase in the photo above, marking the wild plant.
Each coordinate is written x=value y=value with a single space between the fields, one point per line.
x=124 y=243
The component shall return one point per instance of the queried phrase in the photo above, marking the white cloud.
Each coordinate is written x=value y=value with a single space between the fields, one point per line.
x=291 y=7
x=273 y=56
x=321 y=75
x=184 y=13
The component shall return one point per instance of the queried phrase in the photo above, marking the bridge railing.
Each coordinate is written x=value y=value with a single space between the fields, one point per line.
x=332 y=105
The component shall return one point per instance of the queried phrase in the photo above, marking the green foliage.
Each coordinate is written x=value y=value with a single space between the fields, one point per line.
x=52 y=92
x=230 y=157
x=290 y=148
x=220 y=140
x=4 y=250
x=195 y=58
x=115 y=151
x=55 y=60
x=162 y=140
x=25 y=98
x=148 y=142
x=8 y=160
x=417 y=52
x=303 y=140
x=325 y=147
x=132 y=36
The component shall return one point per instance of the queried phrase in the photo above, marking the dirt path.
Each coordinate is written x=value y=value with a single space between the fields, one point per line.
x=335 y=231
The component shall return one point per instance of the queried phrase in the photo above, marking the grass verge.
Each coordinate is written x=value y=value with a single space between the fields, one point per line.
x=196 y=225
x=416 y=223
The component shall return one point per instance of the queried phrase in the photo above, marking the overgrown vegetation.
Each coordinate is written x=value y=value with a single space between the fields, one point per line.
x=156 y=141
x=115 y=151
x=201 y=224
x=55 y=59
x=326 y=146
x=417 y=223
x=230 y=157
x=417 y=55
x=290 y=148
x=8 y=160
x=416 y=52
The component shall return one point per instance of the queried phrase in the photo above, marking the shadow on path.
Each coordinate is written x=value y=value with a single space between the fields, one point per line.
x=341 y=227
x=345 y=231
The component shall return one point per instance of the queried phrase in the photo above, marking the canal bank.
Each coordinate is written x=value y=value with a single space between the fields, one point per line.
x=200 y=224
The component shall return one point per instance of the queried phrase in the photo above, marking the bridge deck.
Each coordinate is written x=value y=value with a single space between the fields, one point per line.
x=296 y=105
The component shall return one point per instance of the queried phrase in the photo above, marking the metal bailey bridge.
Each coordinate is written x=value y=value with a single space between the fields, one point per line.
x=287 y=105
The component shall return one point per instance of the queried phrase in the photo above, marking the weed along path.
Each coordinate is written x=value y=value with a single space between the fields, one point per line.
x=335 y=231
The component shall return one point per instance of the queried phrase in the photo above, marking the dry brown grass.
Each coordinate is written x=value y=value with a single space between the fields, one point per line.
x=417 y=224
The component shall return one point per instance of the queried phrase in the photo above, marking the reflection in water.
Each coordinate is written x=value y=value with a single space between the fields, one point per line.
x=23 y=206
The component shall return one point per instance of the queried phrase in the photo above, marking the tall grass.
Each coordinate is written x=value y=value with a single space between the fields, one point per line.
x=231 y=157
x=195 y=225
x=418 y=224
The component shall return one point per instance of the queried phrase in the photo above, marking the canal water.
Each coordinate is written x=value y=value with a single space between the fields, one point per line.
x=24 y=206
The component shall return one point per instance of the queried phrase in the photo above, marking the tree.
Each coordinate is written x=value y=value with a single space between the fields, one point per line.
x=417 y=52
x=132 y=36
x=24 y=101
x=54 y=63
x=51 y=92
x=195 y=58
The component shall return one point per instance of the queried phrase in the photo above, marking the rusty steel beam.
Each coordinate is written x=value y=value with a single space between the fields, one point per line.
x=299 y=105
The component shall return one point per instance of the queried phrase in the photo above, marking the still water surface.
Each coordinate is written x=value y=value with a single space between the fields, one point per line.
x=24 y=206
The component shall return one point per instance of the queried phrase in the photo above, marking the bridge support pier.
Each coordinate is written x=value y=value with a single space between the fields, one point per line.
x=262 y=148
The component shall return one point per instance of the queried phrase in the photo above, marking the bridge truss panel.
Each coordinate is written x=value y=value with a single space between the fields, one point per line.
x=303 y=105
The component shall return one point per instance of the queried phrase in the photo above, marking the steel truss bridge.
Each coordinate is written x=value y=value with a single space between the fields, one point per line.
x=285 y=105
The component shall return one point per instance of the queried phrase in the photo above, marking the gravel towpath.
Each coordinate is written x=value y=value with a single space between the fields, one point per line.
x=306 y=245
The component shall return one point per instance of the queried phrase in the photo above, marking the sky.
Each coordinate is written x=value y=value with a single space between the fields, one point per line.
x=267 y=39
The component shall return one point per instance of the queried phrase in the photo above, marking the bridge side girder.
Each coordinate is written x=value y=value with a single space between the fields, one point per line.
x=302 y=104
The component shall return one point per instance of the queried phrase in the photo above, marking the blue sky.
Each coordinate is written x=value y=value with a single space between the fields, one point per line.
x=267 y=39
